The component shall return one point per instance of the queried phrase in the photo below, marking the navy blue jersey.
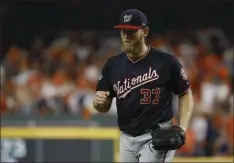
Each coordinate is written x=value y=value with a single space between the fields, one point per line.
x=143 y=88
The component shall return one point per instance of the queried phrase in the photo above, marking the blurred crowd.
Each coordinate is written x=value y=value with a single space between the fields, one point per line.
x=60 y=78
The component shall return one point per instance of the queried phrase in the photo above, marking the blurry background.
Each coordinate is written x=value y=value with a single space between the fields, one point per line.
x=52 y=53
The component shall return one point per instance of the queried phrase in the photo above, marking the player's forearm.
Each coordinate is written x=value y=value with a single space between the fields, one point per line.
x=103 y=108
x=186 y=109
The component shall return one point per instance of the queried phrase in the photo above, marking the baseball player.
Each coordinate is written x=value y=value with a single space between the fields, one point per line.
x=142 y=79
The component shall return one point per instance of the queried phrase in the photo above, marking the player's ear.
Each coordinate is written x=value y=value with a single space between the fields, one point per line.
x=146 y=31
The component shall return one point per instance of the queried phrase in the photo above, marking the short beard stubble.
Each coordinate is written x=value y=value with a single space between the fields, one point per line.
x=134 y=49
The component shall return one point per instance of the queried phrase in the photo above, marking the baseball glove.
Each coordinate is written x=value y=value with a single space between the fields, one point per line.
x=171 y=138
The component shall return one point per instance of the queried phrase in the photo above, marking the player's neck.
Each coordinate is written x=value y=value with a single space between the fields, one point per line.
x=141 y=53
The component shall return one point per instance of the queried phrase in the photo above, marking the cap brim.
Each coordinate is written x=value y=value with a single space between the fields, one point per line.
x=124 y=26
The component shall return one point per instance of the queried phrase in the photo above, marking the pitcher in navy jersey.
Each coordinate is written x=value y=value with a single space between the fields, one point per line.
x=142 y=79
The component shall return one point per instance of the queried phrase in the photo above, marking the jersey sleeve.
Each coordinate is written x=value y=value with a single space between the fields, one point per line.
x=104 y=81
x=179 y=80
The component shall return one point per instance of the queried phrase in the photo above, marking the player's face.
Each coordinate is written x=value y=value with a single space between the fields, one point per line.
x=133 y=39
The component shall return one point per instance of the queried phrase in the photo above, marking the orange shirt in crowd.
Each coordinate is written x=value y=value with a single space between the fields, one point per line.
x=218 y=120
x=60 y=77
x=13 y=55
x=229 y=128
x=3 y=104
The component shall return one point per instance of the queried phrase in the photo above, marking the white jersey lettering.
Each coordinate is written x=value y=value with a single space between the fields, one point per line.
x=124 y=87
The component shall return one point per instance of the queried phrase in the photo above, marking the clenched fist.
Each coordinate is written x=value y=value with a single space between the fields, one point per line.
x=102 y=101
x=101 y=97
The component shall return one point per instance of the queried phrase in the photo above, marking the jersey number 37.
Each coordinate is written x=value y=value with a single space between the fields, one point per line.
x=150 y=96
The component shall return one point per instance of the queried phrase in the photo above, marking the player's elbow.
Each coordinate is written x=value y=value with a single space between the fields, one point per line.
x=190 y=98
x=187 y=98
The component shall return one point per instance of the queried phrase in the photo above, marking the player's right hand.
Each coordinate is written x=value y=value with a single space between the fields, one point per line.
x=101 y=97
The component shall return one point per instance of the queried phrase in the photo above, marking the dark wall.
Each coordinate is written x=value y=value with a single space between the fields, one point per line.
x=23 y=19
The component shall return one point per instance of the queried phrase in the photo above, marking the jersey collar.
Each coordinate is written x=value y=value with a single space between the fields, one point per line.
x=140 y=57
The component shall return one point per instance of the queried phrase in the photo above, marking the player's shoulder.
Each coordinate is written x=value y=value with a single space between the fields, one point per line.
x=116 y=58
x=160 y=54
